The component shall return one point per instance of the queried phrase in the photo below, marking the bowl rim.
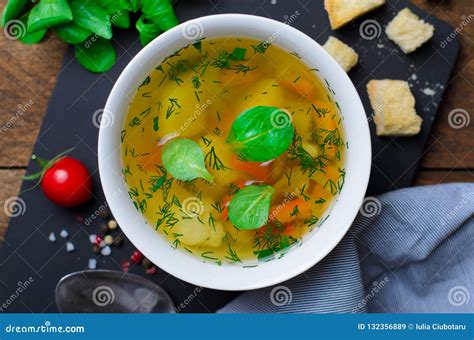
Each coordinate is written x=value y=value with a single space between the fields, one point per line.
x=188 y=267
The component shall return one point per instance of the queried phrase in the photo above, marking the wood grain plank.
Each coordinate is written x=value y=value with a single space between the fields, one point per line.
x=430 y=177
x=27 y=77
x=451 y=147
x=10 y=181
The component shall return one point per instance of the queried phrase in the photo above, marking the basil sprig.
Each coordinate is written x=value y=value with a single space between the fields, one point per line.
x=31 y=37
x=13 y=9
x=87 y=23
x=72 y=33
x=92 y=17
x=184 y=160
x=48 y=13
x=261 y=133
x=249 y=207
x=99 y=56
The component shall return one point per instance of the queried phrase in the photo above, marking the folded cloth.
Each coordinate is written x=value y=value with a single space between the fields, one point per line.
x=408 y=251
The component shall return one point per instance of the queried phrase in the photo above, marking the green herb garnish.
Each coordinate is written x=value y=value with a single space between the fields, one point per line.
x=238 y=54
x=261 y=133
x=48 y=13
x=72 y=33
x=92 y=17
x=83 y=22
x=184 y=160
x=261 y=48
x=250 y=207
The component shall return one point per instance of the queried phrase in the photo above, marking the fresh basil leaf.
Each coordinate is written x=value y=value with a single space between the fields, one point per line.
x=33 y=37
x=12 y=10
x=184 y=160
x=249 y=207
x=147 y=30
x=261 y=133
x=121 y=18
x=30 y=38
x=110 y=6
x=160 y=12
x=48 y=13
x=131 y=5
x=71 y=33
x=90 y=16
x=97 y=55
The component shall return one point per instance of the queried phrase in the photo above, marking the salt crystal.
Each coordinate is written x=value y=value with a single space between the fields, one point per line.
x=380 y=46
x=429 y=92
x=52 y=237
x=414 y=77
x=92 y=264
x=64 y=233
x=70 y=247
x=106 y=251
x=92 y=238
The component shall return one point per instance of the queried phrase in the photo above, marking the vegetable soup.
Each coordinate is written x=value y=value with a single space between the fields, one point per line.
x=233 y=149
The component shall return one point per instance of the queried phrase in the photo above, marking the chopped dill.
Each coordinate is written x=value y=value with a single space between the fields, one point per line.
x=261 y=48
x=134 y=122
x=306 y=161
x=231 y=255
x=156 y=123
x=217 y=206
x=196 y=81
x=207 y=255
x=213 y=161
x=206 y=141
x=320 y=201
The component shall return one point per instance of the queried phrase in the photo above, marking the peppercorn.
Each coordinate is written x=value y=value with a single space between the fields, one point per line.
x=118 y=240
x=96 y=248
x=104 y=229
x=146 y=263
x=105 y=213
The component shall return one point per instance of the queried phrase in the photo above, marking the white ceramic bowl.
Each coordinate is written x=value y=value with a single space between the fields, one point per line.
x=318 y=243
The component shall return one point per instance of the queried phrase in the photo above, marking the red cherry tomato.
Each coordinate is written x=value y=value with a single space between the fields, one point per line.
x=67 y=182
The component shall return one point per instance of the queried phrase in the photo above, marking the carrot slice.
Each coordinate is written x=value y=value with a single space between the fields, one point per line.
x=254 y=169
x=291 y=230
x=154 y=157
x=302 y=87
x=297 y=209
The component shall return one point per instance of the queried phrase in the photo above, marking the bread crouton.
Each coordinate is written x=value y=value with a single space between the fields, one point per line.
x=408 y=31
x=394 y=108
x=343 y=11
x=344 y=54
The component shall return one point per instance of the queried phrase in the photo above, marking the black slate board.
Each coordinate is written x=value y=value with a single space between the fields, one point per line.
x=27 y=253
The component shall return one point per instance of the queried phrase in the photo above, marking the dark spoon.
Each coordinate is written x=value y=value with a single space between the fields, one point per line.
x=109 y=291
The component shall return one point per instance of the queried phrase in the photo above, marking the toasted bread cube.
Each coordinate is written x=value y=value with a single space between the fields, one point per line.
x=394 y=108
x=408 y=31
x=343 y=11
x=344 y=54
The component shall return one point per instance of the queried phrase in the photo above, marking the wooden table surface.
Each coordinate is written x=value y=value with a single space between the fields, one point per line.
x=29 y=73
